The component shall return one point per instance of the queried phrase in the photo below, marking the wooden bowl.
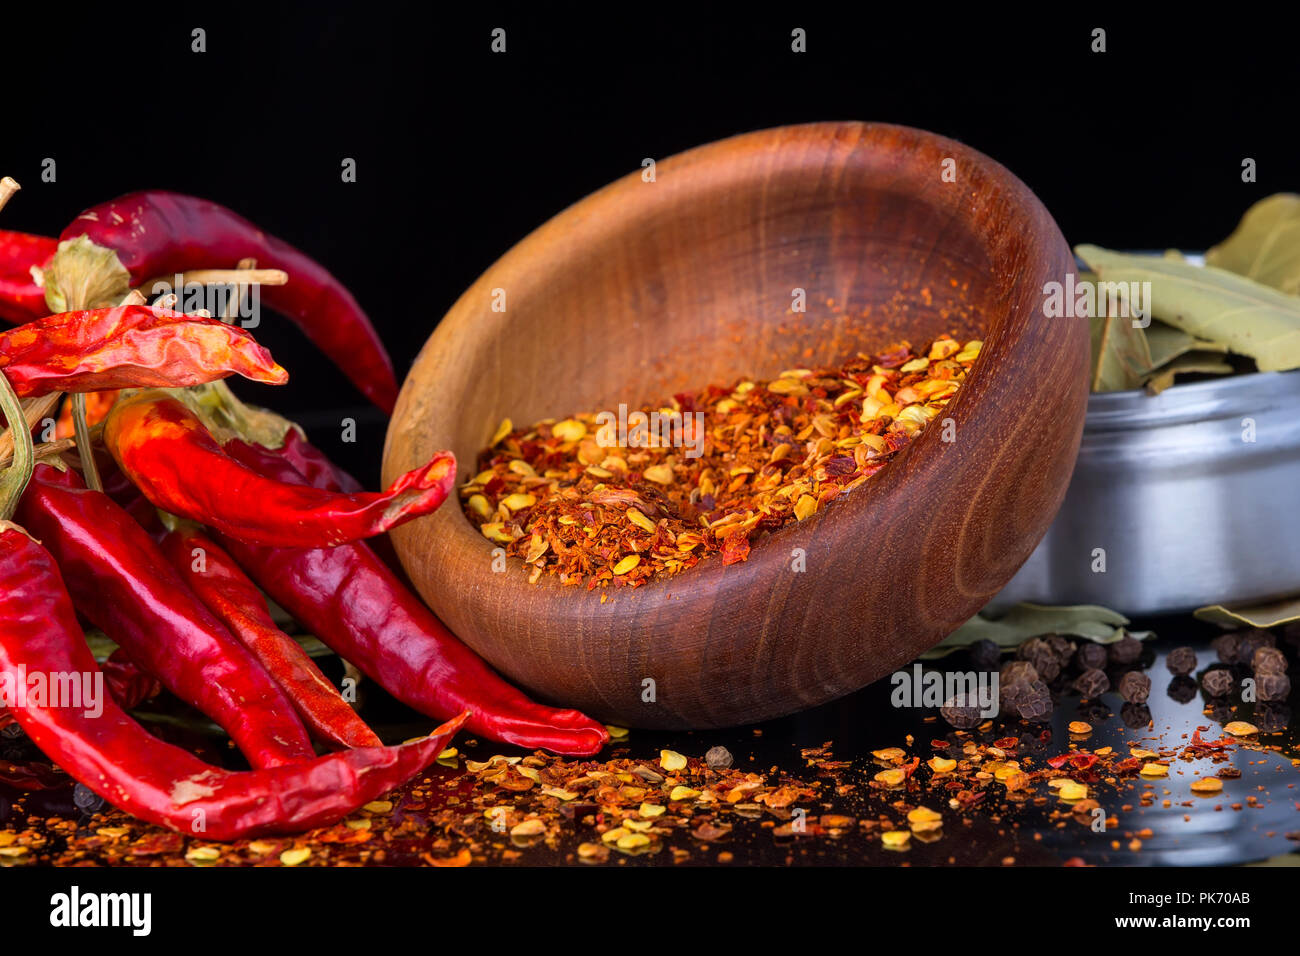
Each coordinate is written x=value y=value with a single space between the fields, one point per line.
x=644 y=289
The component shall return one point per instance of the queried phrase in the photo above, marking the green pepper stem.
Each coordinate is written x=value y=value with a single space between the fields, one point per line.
x=14 y=480
x=85 y=450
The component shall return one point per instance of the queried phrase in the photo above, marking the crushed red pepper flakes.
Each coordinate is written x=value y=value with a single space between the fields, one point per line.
x=571 y=501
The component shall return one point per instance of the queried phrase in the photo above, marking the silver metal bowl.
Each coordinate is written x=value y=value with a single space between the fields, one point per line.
x=1186 y=509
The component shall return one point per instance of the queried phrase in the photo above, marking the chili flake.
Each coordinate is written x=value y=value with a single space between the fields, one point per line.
x=724 y=467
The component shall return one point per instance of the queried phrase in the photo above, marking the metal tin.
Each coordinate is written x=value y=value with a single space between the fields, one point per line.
x=1186 y=498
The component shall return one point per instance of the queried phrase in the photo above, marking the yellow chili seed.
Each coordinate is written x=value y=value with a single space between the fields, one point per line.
x=504 y=429
x=569 y=430
x=296 y=855
x=895 y=839
x=640 y=520
x=805 y=507
x=518 y=501
x=627 y=564
x=1154 y=770
x=659 y=474
x=1072 y=790
x=671 y=760
x=479 y=505
x=529 y=828
x=1240 y=728
x=942 y=764
x=1207 y=785
x=683 y=793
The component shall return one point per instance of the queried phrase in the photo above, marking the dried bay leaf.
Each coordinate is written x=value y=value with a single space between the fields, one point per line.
x=1027 y=620
x=1213 y=304
x=1120 y=357
x=1262 y=615
x=1167 y=343
x=1205 y=363
x=1265 y=246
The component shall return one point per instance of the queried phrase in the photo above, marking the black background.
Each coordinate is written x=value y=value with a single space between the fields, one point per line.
x=461 y=152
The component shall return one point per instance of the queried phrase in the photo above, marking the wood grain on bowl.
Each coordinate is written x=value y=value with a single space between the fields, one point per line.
x=647 y=288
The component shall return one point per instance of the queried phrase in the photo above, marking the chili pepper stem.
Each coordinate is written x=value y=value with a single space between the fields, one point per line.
x=85 y=451
x=227 y=417
x=8 y=186
x=14 y=481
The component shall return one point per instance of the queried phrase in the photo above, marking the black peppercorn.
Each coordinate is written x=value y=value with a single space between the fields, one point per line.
x=985 y=655
x=1014 y=672
x=1268 y=660
x=960 y=713
x=1273 y=687
x=1181 y=660
x=1218 y=682
x=1135 y=687
x=1091 y=656
x=1225 y=646
x=1126 y=650
x=1062 y=647
x=1092 y=682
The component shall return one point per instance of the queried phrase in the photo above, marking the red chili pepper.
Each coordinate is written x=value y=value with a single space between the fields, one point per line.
x=216 y=579
x=21 y=299
x=117 y=758
x=157 y=234
x=168 y=453
x=352 y=602
x=131 y=346
x=129 y=685
x=312 y=464
x=122 y=583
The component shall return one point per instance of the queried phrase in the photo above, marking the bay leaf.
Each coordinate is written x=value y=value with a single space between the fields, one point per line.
x=1213 y=304
x=1261 y=615
x=1027 y=620
x=1206 y=363
x=1265 y=246
x=1120 y=356
x=1167 y=343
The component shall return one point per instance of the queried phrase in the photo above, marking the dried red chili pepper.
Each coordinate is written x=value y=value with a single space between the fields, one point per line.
x=158 y=234
x=21 y=299
x=235 y=600
x=125 y=587
x=129 y=685
x=168 y=453
x=132 y=346
x=352 y=602
x=122 y=762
